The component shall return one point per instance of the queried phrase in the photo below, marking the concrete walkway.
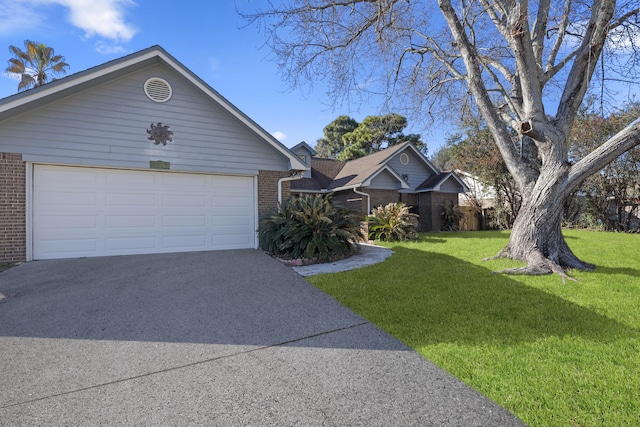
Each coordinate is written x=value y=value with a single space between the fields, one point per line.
x=226 y=338
x=367 y=255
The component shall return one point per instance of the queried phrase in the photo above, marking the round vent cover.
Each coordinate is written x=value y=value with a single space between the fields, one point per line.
x=157 y=89
x=404 y=159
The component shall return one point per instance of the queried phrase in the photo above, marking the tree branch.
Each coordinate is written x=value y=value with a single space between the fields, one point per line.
x=621 y=142
x=540 y=30
x=518 y=168
x=560 y=37
x=584 y=64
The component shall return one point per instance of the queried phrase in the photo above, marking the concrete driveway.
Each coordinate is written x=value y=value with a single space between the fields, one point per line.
x=208 y=338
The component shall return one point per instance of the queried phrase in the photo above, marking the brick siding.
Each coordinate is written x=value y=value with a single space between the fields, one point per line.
x=13 y=247
x=430 y=208
x=268 y=191
x=382 y=197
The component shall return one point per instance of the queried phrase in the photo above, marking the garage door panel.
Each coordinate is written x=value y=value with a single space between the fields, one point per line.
x=67 y=198
x=195 y=242
x=184 y=200
x=230 y=241
x=130 y=199
x=130 y=179
x=222 y=220
x=232 y=201
x=129 y=245
x=67 y=248
x=68 y=222
x=52 y=177
x=94 y=212
x=194 y=182
x=184 y=221
x=119 y=222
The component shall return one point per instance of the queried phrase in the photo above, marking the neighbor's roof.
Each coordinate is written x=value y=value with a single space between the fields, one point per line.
x=323 y=171
x=335 y=175
x=435 y=182
x=305 y=145
x=57 y=89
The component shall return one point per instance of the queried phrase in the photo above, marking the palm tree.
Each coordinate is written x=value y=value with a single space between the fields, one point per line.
x=35 y=64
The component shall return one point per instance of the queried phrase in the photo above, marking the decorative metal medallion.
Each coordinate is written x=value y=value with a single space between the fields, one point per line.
x=160 y=134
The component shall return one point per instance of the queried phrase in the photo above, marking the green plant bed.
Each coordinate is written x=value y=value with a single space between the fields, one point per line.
x=553 y=354
x=311 y=261
x=7 y=265
x=310 y=227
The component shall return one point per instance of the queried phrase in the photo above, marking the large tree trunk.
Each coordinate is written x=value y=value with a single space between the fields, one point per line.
x=536 y=237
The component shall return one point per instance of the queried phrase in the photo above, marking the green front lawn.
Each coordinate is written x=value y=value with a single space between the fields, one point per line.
x=553 y=354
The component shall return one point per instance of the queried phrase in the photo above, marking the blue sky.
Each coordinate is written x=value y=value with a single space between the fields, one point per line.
x=205 y=36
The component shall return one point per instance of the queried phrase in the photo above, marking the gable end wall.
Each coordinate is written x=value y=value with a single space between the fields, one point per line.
x=12 y=208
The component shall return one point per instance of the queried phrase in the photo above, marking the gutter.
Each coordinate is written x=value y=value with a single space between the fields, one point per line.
x=368 y=199
x=296 y=175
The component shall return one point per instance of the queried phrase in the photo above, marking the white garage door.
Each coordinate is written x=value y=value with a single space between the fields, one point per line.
x=84 y=212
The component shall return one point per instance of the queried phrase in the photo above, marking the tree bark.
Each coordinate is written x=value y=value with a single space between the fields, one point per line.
x=536 y=237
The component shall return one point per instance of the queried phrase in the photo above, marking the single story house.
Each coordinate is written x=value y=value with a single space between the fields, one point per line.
x=138 y=155
x=399 y=173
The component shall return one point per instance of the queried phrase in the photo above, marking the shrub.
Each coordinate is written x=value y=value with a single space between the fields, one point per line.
x=451 y=215
x=310 y=227
x=393 y=222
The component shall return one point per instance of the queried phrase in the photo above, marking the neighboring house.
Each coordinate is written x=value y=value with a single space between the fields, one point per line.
x=138 y=155
x=397 y=174
x=476 y=203
x=479 y=194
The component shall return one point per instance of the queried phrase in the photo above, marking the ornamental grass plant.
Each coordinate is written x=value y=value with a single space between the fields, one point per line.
x=311 y=227
x=392 y=222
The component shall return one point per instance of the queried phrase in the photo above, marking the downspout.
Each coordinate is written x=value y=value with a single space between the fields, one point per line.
x=368 y=199
x=296 y=175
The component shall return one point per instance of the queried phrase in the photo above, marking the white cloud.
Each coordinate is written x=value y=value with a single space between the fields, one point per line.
x=102 y=18
x=110 y=50
x=16 y=16
x=280 y=136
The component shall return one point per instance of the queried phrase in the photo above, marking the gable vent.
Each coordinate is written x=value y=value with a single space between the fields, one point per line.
x=157 y=89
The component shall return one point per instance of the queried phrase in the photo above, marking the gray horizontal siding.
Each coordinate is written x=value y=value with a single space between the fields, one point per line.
x=451 y=186
x=416 y=168
x=385 y=181
x=106 y=126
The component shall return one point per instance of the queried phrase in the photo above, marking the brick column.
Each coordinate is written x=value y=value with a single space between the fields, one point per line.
x=13 y=227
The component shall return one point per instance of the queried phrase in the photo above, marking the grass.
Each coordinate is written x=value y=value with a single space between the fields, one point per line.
x=552 y=354
x=6 y=265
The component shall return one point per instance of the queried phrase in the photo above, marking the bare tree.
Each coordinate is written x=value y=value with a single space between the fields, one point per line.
x=514 y=60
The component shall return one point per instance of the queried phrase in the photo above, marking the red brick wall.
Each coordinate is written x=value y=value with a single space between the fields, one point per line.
x=268 y=191
x=13 y=247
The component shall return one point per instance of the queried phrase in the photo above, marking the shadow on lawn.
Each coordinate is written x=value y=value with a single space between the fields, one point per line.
x=428 y=298
x=617 y=270
x=444 y=236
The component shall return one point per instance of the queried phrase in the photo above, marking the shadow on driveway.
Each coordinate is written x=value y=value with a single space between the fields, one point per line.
x=215 y=338
x=240 y=297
